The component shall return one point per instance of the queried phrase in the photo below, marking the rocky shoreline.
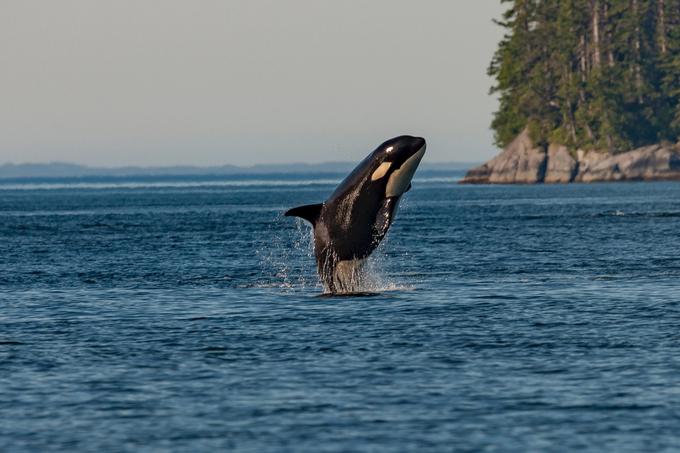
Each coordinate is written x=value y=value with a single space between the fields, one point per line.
x=522 y=162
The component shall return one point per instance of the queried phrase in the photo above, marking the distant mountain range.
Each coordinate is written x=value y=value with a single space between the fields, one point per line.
x=69 y=170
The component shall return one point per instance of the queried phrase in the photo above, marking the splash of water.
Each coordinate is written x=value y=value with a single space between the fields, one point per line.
x=285 y=256
x=287 y=262
x=364 y=276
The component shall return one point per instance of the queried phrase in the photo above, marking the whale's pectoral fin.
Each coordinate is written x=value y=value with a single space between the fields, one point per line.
x=384 y=218
x=309 y=212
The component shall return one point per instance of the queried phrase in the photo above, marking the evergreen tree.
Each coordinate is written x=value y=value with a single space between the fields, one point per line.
x=590 y=74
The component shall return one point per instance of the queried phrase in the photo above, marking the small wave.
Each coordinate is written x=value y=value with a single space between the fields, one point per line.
x=349 y=294
x=652 y=215
x=371 y=291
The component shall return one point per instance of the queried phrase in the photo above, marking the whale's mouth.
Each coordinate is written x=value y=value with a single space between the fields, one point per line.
x=400 y=179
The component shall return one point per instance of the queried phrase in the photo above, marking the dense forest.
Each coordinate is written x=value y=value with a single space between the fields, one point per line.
x=589 y=74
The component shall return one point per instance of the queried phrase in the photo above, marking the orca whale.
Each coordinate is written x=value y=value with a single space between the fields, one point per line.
x=350 y=224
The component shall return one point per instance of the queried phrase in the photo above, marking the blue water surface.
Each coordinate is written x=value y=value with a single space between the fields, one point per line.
x=186 y=316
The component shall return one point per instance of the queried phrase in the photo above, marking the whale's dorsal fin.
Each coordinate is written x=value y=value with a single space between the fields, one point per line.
x=309 y=212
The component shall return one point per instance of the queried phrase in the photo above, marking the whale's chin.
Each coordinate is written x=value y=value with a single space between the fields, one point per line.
x=400 y=179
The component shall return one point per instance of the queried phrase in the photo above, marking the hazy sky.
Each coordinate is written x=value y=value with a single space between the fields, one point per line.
x=204 y=82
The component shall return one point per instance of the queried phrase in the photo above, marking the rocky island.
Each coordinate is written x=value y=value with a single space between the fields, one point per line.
x=523 y=162
x=589 y=91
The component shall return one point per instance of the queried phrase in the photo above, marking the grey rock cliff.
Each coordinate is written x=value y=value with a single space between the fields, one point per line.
x=561 y=167
x=651 y=163
x=521 y=162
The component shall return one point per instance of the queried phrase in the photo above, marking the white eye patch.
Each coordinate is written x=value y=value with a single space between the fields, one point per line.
x=381 y=171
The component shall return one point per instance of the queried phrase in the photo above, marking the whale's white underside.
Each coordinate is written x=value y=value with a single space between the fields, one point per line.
x=401 y=177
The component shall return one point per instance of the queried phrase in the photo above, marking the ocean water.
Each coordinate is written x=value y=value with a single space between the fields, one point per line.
x=186 y=315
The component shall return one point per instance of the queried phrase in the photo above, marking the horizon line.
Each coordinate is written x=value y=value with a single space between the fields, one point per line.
x=143 y=166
